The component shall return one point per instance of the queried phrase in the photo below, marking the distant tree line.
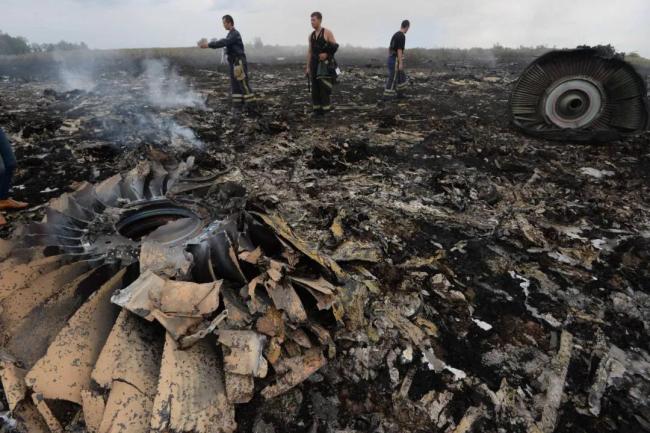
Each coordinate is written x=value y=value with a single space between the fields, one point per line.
x=59 y=46
x=10 y=45
x=13 y=45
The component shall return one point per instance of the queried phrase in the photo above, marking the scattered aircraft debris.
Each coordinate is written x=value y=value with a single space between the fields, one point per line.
x=433 y=270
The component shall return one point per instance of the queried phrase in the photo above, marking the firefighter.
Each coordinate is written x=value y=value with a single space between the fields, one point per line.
x=397 y=81
x=238 y=66
x=7 y=168
x=321 y=66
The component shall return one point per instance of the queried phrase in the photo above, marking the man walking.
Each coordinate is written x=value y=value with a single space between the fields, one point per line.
x=321 y=66
x=396 y=82
x=234 y=50
x=7 y=168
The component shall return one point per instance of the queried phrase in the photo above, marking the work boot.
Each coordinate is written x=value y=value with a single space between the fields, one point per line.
x=3 y=221
x=12 y=204
x=252 y=109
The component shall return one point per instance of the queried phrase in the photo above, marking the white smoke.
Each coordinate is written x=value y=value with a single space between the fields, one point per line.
x=167 y=89
x=77 y=80
x=142 y=107
x=75 y=74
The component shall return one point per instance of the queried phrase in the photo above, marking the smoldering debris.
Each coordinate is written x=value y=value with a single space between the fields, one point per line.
x=167 y=89
x=147 y=128
x=148 y=111
x=500 y=280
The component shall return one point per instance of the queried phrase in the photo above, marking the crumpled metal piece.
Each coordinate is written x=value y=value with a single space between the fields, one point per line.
x=246 y=353
x=177 y=305
x=294 y=371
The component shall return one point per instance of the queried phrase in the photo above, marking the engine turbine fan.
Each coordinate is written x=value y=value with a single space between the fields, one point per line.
x=585 y=94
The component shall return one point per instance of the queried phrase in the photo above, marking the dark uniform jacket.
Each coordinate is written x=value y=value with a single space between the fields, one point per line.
x=233 y=44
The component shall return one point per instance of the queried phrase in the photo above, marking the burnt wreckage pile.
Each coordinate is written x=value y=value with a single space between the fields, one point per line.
x=497 y=282
x=211 y=305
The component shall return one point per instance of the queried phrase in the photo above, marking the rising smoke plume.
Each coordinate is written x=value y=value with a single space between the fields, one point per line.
x=138 y=114
x=167 y=89
x=76 y=73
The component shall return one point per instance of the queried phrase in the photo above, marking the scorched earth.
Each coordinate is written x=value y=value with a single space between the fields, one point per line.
x=505 y=279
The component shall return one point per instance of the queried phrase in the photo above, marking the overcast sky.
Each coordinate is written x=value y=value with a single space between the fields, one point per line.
x=435 y=23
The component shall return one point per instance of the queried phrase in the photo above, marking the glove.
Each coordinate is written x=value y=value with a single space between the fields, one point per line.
x=240 y=74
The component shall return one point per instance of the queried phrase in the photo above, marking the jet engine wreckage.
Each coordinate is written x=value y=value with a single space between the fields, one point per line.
x=586 y=94
x=212 y=304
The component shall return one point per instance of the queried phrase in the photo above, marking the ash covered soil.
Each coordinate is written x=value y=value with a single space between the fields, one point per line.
x=522 y=264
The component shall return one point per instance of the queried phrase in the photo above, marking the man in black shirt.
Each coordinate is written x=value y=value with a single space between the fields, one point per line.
x=234 y=50
x=396 y=76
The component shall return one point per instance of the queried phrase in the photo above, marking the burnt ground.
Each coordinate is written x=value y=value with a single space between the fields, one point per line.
x=491 y=242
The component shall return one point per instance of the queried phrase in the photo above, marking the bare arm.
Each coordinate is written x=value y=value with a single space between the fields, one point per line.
x=400 y=57
x=329 y=36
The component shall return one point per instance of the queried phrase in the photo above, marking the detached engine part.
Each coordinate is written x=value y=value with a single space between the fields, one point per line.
x=585 y=94
x=137 y=302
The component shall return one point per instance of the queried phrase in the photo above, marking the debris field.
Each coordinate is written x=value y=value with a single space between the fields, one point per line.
x=401 y=266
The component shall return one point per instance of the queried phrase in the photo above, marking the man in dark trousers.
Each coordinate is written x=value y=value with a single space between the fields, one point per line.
x=234 y=50
x=396 y=82
x=321 y=66
x=7 y=168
